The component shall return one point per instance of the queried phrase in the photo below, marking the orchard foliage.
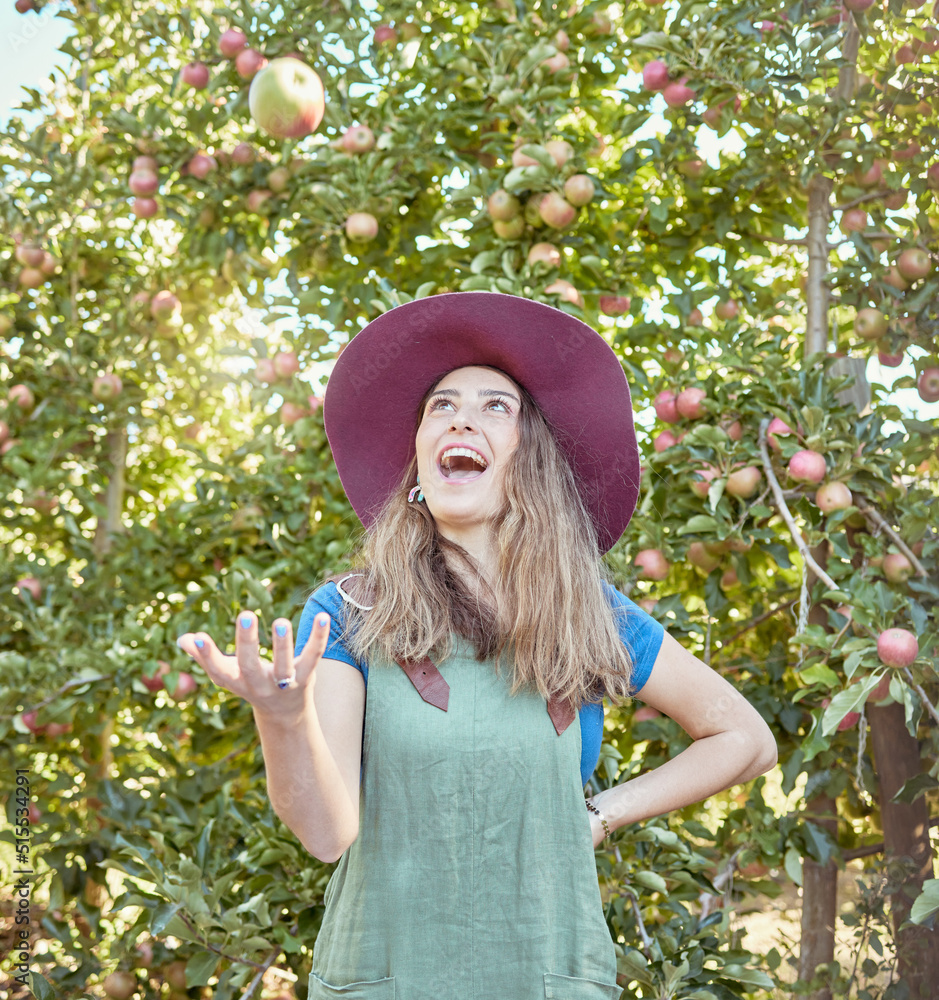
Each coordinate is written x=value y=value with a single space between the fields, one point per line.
x=174 y=282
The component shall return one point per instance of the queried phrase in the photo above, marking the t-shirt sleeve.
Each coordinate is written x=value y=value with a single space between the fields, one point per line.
x=640 y=632
x=327 y=599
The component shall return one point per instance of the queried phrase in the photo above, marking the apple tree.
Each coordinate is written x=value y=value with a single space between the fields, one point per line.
x=741 y=197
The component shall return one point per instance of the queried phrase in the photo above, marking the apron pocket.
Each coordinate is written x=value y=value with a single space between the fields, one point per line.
x=378 y=989
x=571 y=988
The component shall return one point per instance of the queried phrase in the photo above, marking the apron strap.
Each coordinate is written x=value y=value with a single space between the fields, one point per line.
x=428 y=680
x=434 y=689
x=562 y=714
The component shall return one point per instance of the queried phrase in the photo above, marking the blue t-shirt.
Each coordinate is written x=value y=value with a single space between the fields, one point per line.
x=639 y=630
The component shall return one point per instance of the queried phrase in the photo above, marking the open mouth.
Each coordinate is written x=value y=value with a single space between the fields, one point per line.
x=461 y=465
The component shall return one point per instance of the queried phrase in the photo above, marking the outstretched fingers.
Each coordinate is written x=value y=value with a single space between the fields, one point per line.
x=314 y=649
x=219 y=668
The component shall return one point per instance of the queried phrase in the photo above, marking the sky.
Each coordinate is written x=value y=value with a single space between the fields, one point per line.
x=29 y=51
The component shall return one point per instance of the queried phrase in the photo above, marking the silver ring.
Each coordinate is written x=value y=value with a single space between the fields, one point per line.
x=283 y=684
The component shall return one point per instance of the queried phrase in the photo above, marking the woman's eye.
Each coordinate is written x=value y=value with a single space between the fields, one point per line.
x=437 y=403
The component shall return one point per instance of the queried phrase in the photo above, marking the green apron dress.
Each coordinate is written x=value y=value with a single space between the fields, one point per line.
x=473 y=874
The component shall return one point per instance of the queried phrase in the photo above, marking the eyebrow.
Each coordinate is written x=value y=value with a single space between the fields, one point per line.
x=482 y=392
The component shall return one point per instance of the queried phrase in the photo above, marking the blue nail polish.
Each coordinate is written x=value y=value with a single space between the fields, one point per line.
x=281 y=630
x=200 y=643
x=246 y=621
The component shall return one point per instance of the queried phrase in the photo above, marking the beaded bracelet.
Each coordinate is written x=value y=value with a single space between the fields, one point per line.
x=594 y=809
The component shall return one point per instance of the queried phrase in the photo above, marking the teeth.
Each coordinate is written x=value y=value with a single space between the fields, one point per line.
x=468 y=453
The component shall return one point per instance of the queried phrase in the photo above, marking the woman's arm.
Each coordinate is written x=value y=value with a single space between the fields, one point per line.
x=732 y=743
x=312 y=760
x=311 y=728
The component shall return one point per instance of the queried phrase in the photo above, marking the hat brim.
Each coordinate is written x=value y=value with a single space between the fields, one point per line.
x=371 y=400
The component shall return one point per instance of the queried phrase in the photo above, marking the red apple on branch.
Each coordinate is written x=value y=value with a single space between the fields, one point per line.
x=30 y=584
x=870 y=324
x=566 y=291
x=243 y=154
x=361 y=227
x=853 y=220
x=143 y=183
x=195 y=75
x=664 y=441
x=897 y=647
x=579 y=189
x=232 y=42
x=144 y=208
x=561 y=151
x=556 y=211
x=701 y=559
x=655 y=75
x=897 y=568
x=201 y=165
x=677 y=94
x=358 y=139
x=265 y=371
x=744 y=482
x=928 y=385
x=248 y=63
x=385 y=34
x=107 y=387
x=666 y=408
x=615 y=305
x=727 y=309
x=833 y=496
x=286 y=99
x=547 y=253
x=503 y=206
x=164 y=306
x=185 y=686
x=689 y=403
x=701 y=486
x=286 y=364
x=807 y=466
x=652 y=564
x=914 y=263
x=22 y=396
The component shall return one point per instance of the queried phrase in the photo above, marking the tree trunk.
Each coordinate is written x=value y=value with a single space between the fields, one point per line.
x=906 y=846
x=819 y=900
x=117 y=455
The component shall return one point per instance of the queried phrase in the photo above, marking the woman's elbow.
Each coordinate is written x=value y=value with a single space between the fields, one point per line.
x=765 y=751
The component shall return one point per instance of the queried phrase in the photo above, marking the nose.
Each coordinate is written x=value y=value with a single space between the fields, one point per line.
x=462 y=417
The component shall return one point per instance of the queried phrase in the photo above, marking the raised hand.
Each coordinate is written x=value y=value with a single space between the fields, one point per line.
x=277 y=689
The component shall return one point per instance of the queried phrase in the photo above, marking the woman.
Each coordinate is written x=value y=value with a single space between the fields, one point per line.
x=486 y=442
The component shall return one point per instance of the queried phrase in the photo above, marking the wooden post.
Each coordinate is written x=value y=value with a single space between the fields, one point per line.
x=819 y=900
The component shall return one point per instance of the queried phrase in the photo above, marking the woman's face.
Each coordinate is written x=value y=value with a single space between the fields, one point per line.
x=476 y=410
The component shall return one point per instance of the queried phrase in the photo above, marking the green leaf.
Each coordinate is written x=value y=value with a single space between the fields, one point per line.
x=161 y=916
x=699 y=524
x=752 y=977
x=650 y=880
x=200 y=968
x=926 y=903
x=821 y=673
x=792 y=862
x=40 y=987
x=915 y=787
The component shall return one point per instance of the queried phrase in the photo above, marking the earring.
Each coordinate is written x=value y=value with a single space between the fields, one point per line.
x=414 y=489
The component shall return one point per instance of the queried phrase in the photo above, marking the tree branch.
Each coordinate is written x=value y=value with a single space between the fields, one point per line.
x=759 y=618
x=878 y=519
x=803 y=242
x=786 y=515
x=930 y=707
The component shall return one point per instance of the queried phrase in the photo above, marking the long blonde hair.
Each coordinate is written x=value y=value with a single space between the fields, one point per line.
x=553 y=616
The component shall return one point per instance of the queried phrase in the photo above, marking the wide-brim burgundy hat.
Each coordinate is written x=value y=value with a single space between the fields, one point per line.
x=379 y=380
